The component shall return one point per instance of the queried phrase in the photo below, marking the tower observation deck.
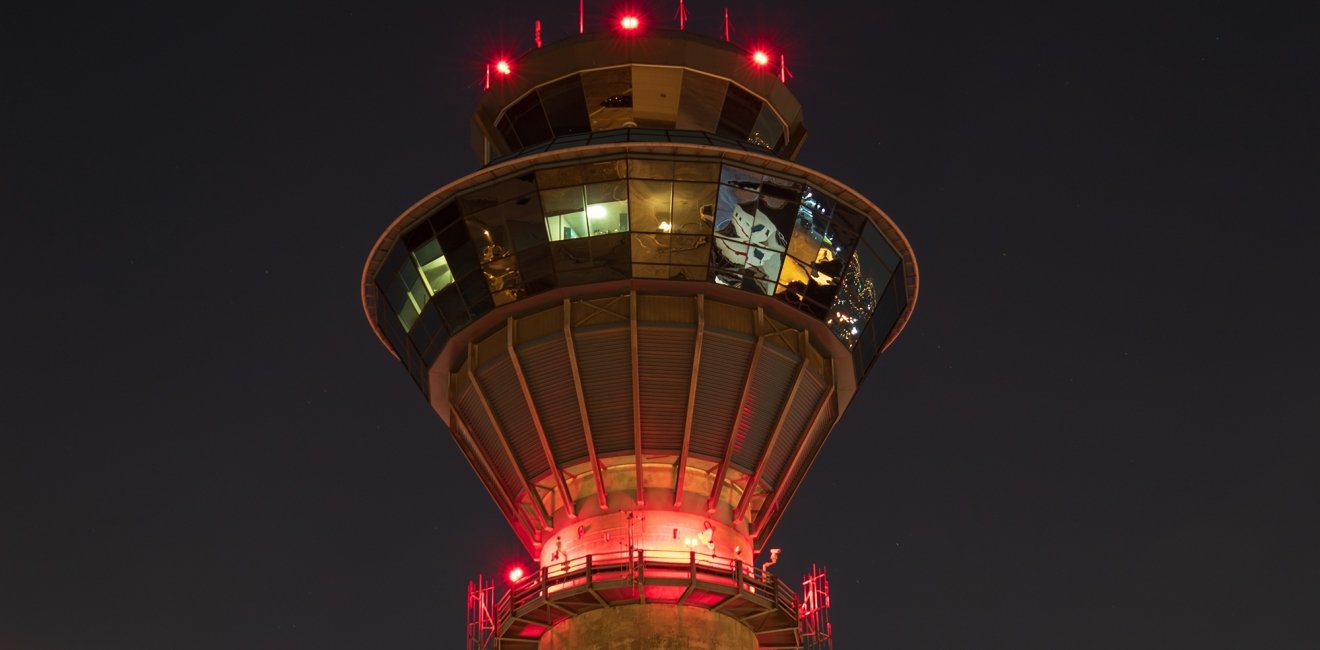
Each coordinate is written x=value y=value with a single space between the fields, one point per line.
x=640 y=320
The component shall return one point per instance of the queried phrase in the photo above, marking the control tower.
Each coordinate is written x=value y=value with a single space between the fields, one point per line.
x=640 y=319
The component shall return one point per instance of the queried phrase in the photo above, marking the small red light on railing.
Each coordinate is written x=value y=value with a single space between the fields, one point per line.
x=515 y=574
x=629 y=23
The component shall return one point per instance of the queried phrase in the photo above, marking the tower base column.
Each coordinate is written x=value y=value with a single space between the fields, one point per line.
x=649 y=627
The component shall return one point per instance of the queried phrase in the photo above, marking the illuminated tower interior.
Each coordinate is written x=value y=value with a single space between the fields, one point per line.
x=640 y=319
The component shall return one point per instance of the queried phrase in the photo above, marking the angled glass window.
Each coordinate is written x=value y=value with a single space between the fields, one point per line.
x=856 y=300
x=652 y=204
x=767 y=131
x=565 y=213
x=504 y=280
x=434 y=268
x=565 y=107
x=528 y=119
x=645 y=168
x=694 y=208
x=608 y=95
x=685 y=170
x=656 y=93
x=607 y=207
x=739 y=113
x=701 y=102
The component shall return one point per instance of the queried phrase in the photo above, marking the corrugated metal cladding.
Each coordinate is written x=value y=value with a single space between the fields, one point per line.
x=666 y=336
x=667 y=309
x=799 y=418
x=724 y=362
x=665 y=360
x=469 y=408
x=551 y=381
x=605 y=362
x=771 y=381
x=501 y=387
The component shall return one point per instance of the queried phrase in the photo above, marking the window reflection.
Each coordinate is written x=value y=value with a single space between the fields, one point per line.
x=749 y=247
x=672 y=220
x=607 y=208
x=856 y=301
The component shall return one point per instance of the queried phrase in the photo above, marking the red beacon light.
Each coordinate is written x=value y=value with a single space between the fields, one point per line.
x=760 y=58
x=630 y=23
x=502 y=67
x=515 y=574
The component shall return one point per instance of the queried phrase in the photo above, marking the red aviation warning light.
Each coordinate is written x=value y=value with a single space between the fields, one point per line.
x=515 y=574
x=630 y=23
x=760 y=58
x=502 y=67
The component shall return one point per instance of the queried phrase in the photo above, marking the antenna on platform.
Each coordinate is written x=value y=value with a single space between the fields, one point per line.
x=481 y=615
x=682 y=15
x=784 y=74
x=814 y=611
x=726 y=24
x=538 y=33
x=582 y=20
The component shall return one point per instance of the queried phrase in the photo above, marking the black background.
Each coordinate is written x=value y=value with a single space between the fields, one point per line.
x=1099 y=430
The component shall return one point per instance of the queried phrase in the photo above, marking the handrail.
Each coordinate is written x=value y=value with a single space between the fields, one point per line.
x=639 y=568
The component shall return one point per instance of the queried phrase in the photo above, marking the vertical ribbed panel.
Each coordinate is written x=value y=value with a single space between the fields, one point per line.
x=795 y=427
x=728 y=317
x=724 y=361
x=469 y=408
x=551 y=381
x=770 y=385
x=500 y=385
x=666 y=309
x=665 y=360
x=605 y=361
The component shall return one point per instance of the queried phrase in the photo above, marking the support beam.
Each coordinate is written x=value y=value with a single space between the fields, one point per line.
x=772 y=503
x=496 y=489
x=596 y=469
x=636 y=397
x=691 y=402
x=510 y=329
x=746 y=500
x=737 y=423
x=539 y=508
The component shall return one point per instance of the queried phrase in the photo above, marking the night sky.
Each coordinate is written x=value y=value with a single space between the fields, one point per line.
x=1101 y=428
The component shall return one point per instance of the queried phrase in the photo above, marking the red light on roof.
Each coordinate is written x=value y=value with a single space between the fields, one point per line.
x=502 y=67
x=629 y=23
x=759 y=57
x=515 y=574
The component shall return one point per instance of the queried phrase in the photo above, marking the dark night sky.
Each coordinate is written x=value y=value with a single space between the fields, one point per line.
x=1101 y=428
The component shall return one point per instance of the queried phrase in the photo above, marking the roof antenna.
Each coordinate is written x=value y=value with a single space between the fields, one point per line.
x=581 y=18
x=538 y=33
x=726 y=24
x=784 y=74
x=682 y=15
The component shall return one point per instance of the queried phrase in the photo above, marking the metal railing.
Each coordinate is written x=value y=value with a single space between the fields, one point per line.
x=639 y=576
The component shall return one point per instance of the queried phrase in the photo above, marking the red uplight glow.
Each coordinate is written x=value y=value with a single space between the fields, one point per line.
x=760 y=58
x=515 y=574
x=502 y=67
x=629 y=23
